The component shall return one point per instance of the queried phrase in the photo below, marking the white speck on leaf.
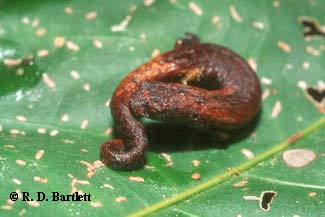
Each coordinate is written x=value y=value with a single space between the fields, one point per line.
x=148 y=2
x=42 y=53
x=6 y=207
x=258 y=25
x=41 y=130
x=108 y=131
x=21 y=162
x=266 y=81
x=84 y=124
x=240 y=183
x=74 y=74
x=54 y=132
x=16 y=181
x=21 y=118
x=65 y=118
x=68 y=10
x=108 y=102
x=25 y=20
x=306 y=65
x=35 y=22
x=22 y=212
x=168 y=159
x=196 y=163
x=216 y=19
x=143 y=38
x=136 y=179
x=313 y=51
x=252 y=63
x=15 y=131
x=312 y=194
x=298 y=157
x=72 y=46
x=247 y=153
x=107 y=186
x=39 y=154
x=302 y=84
x=133 y=8
x=39 y=179
x=48 y=81
x=131 y=48
x=33 y=203
x=195 y=8
x=321 y=84
x=284 y=46
x=120 y=199
x=155 y=53
x=40 y=32
x=276 y=4
x=96 y=204
x=234 y=14
x=252 y=198
x=20 y=71
x=196 y=176
x=59 y=41
x=86 y=87
x=12 y=62
x=91 y=15
x=121 y=26
x=97 y=43
x=276 y=109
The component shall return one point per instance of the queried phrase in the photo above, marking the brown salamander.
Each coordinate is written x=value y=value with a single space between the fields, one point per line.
x=201 y=85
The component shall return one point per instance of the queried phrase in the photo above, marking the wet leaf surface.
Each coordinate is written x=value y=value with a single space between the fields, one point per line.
x=61 y=61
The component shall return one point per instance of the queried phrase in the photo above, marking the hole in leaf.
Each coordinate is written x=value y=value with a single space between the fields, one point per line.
x=317 y=97
x=316 y=94
x=311 y=28
x=266 y=199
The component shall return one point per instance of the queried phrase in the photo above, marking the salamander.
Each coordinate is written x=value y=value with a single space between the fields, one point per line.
x=201 y=85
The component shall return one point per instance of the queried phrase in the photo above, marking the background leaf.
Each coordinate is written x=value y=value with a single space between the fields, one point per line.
x=44 y=106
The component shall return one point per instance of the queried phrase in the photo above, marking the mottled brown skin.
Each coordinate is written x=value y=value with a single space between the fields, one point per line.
x=201 y=85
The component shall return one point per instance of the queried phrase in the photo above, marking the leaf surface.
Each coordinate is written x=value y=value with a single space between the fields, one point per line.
x=54 y=112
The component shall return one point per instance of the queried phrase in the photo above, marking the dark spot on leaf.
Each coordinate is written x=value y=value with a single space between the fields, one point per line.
x=317 y=97
x=311 y=28
x=316 y=94
x=266 y=199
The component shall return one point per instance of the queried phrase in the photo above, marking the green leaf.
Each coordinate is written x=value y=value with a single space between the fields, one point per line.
x=54 y=113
